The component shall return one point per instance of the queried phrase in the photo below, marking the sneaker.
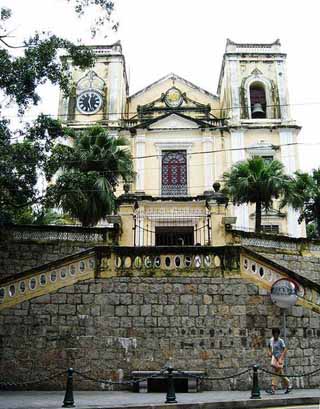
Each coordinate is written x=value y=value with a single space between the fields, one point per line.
x=270 y=391
x=288 y=390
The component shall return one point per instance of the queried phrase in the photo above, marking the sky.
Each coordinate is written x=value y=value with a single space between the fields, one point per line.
x=188 y=37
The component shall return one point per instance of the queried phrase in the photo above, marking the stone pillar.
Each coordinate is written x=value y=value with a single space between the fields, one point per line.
x=238 y=154
x=218 y=233
x=126 y=212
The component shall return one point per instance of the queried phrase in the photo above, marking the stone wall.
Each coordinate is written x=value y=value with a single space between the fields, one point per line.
x=307 y=266
x=16 y=257
x=112 y=326
x=299 y=255
x=24 y=247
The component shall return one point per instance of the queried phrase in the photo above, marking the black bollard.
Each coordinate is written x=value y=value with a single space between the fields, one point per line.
x=255 y=392
x=68 y=401
x=171 y=393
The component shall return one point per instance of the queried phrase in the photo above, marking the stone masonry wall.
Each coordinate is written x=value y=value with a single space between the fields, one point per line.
x=306 y=265
x=112 y=326
x=16 y=257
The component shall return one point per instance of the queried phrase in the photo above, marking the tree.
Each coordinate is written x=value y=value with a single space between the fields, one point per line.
x=21 y=162
x=256 y=181
x=304 y=195
x=91 y=170
x=23 y=154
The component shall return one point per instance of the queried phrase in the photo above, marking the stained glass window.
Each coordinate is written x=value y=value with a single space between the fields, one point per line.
x=174 y=173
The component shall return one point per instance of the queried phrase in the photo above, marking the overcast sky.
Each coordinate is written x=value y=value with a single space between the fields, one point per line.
x=188 y=37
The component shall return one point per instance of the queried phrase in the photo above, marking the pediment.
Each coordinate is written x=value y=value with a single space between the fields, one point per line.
x=174 y=121
x=162 y=84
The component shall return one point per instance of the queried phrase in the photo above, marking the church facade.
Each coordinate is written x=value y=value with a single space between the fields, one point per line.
x=183 y=138
x=174 y=276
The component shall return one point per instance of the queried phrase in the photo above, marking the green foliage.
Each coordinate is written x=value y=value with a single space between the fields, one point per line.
x=24 y=154
x=256 y=181
x=42 y=216
x=312 y=231
x=304 y=196
x=20 y=161
x=20 y=77
x=106 y=8
x=91 y=170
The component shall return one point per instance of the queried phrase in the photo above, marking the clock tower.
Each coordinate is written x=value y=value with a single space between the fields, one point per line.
x=98 y=95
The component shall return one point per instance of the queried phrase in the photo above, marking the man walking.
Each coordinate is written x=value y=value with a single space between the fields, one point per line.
x=277 y=353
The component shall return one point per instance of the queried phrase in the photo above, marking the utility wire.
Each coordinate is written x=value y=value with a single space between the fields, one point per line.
x=173 y=111
x=275 y=147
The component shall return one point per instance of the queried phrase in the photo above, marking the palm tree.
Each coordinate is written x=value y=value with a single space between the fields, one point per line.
x=256 y=181
x=304 y=195
x=91 y=170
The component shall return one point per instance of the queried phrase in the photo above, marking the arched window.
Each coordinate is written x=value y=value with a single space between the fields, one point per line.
x=258 y=103
x=174 y=173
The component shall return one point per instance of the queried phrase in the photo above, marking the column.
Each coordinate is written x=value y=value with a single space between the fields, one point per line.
x=237 y=143
x=140 y=152
x=283 y=90
x=207 y=146
x=115 y=86
x=289 y=160
x=234 y=84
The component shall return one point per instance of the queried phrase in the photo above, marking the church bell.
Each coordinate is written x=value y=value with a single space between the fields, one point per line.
x=257 y=111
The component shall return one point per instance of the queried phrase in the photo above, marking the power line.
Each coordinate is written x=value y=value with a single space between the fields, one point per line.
x=275 y=147
x=169 y=111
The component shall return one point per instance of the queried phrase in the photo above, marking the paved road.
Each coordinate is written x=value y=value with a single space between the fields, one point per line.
x=106 y=399
x=295 y=407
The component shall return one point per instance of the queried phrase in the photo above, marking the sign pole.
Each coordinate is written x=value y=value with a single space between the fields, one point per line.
x=285 y=337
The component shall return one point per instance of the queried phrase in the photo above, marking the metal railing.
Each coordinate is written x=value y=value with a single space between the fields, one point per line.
x=167 y=371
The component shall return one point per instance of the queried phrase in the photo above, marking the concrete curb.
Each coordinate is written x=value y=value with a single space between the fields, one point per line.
x=233 y=404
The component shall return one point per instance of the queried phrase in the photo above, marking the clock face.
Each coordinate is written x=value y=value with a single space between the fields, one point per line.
x=89 y=102
x=173 y=98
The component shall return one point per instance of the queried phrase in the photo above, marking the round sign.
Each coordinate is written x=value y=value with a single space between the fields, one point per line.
x=173 y=98
x=284 y=293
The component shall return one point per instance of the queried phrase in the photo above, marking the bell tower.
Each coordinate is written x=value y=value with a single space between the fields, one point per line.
x=254 y=97
x=99 y=94
x=253 y=82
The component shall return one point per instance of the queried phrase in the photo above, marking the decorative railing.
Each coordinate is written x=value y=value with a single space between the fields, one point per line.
x=159 y=261
x=55 y=233
x=252 y=47
x=47 y=278
x=268 y=240
x=162 y=260
x=107 y=261
x=265 y=273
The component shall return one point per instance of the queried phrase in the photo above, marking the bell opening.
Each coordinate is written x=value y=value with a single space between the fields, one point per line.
x=258 y=101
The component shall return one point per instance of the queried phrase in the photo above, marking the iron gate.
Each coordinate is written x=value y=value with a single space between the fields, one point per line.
x=170 y=227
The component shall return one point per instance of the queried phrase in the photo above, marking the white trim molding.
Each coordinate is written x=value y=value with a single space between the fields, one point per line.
x=268 y=92
x=174 y=146
x=140 y=143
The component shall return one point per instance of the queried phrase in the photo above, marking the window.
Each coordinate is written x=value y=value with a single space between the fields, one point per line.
x=266 y=158
x=258 y=104
x=270 y=228
x=174 y=173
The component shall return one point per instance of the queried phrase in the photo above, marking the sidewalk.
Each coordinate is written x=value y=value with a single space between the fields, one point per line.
x=201 y=400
